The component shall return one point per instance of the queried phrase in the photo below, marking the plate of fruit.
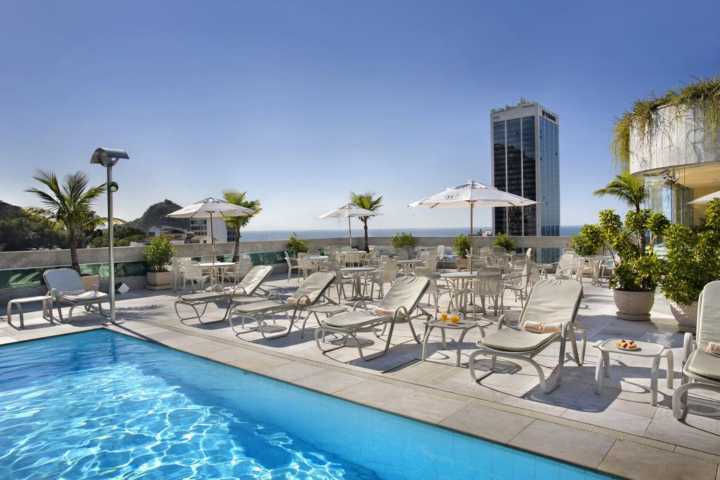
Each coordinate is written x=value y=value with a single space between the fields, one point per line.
x=629 y=345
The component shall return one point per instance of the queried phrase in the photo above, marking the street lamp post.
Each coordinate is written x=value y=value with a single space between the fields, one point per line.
x=108 y=158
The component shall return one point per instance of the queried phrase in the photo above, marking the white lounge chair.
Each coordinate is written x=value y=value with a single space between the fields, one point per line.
x=67 y=290
x=701 y=370
x=311 y=291
x=548 y=316
x=246 y=290
x=397 y=305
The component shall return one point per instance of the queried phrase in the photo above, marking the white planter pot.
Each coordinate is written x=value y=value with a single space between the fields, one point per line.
x=634 y=306
x=158 y=280
x=685 y=315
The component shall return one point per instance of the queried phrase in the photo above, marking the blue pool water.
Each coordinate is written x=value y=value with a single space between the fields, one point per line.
x=103 y=405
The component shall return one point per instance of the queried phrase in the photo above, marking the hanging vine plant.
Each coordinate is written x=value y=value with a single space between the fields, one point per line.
x=704 y=95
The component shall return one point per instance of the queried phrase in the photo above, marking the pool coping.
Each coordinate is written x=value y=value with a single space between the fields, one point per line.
x=605 y=466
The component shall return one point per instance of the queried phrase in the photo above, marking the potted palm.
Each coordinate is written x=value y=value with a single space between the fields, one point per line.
x=502 y=240
x=158 y=255
x=296 y=245
x=405 y=244
x=638 y=270
x=692 y=260
x=461 y=247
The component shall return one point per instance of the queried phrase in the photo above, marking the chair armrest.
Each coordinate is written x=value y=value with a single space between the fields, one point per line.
x=501 y=321
x=359 y=304
x=303 y=301
x=688 y=346
x=399 y=313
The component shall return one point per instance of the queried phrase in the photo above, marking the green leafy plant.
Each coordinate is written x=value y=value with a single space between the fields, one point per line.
x=236 y=223
x=589 y=241
x=502 y=240
x=462 y=245
x=403 y=240
x=158 y=254
x=693 y=258
x=626 y=187
x=69 y=205
x=704 y=94
x=637 y=269
x=296 y=245
x=369 y=202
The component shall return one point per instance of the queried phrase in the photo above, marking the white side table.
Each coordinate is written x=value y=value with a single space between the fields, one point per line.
x=647 y=349
x=47 y=305
x=463 y=326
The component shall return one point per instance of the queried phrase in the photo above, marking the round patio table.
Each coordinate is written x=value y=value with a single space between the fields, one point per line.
x=357 y=274
x=463 y=326
x=647 y=349
x=460 y=288
x=408 y=266
x=215 y=268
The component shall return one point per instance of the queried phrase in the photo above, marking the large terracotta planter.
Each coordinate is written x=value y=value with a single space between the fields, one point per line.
x=159 y=280
x=634 y=306
x=685 y=315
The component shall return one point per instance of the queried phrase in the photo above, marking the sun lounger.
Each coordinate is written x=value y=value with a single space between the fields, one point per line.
x=244 y=291
x=701 y=370
x=548 y=316
x=67 y=290
x=311 y=291
x=399 y=304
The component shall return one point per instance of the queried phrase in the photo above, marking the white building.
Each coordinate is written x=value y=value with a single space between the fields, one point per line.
x=200 y=228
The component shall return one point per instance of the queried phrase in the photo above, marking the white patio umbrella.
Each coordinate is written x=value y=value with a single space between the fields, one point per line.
x=349 y=211
x=705 y=199
x=473 y=194
x=211 y=208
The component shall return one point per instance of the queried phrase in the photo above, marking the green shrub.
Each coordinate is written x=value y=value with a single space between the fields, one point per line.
x=296 y=245
x=503 y=241
x=589 y=241
x=158 y=254
x=692 y=259
x=462 y=245
x=403 y=240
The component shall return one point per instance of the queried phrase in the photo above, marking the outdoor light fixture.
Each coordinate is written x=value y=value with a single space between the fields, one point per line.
x=108 y=158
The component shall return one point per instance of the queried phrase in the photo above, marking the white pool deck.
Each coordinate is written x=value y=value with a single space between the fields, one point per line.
x=617 y=432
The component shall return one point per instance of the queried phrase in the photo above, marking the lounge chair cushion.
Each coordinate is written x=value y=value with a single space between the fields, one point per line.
x=313 y=288
x=354 y=320
x=704 y=364
x=86 y=296
x=404 y=292
x=510 y=340
x=553 y=302
x=64 y=280
x=708 y=324
x=203 y=297
x=254 y=278
x=261 y=306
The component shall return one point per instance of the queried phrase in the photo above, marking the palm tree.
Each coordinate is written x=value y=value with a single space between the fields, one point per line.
x=626 y=187
x=69 y=205
x=368 y=202
x=236 y=223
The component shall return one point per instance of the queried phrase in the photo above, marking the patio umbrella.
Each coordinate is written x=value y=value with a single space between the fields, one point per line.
x=705 y=199
x=472 y=194
x=349 y=211
x=211 y=208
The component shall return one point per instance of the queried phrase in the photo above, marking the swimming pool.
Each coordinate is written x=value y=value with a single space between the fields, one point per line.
x=104 y=405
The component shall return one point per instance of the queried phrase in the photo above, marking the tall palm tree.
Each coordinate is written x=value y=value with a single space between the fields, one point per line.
x=369 y=202
x=626 y=187
x=70 y=205
x=236 y=223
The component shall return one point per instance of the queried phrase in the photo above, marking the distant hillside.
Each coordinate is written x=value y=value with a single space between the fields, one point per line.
x=156 y=216
x=8 y=211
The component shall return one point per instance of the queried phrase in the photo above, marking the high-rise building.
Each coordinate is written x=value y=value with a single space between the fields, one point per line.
x=525 y=151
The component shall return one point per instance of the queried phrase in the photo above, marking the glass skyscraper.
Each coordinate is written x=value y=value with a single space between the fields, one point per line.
x=526 y=162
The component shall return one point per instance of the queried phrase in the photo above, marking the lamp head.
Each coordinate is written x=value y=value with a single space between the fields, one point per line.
x=107 y=157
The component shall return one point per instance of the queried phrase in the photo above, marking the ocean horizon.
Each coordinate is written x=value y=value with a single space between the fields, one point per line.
x=268 y=235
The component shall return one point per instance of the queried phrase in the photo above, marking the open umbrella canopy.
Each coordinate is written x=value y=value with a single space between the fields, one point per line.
x=348 y=211
x=470 y=195
x=473 y=193
x=211 y=207
x=706 y=199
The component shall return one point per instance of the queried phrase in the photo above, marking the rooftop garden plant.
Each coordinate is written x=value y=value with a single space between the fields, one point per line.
x=589 y=241
x=502 y=240
x=403 y=240
x=296 y=245
x=234 y=224
x=158 y=254
x=462 y=245
x=703 y=95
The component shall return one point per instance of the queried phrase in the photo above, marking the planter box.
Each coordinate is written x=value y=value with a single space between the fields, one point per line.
x=634 y=306
x=685 y=315
x=462 y=263
x=159 y=280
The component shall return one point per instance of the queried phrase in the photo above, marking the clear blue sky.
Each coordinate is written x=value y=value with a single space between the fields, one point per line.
x=300 y=102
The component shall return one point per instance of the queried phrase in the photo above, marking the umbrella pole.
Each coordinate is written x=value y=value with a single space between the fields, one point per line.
x=349 y=233
x=212 y=239
x=472 y=207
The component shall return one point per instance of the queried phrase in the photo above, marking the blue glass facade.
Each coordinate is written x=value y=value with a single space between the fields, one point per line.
x=526 y=162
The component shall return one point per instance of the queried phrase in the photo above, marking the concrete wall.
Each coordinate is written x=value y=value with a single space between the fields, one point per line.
x=58 y=258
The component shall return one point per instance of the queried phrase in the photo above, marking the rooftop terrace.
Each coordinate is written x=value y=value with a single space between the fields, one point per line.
x=617 y=431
